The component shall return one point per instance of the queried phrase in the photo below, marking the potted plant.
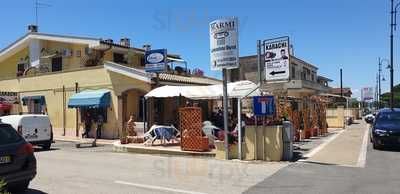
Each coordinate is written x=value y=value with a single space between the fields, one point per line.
x=124 y=137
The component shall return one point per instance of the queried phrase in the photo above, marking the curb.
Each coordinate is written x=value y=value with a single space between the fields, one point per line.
x=117 y=147
x=78 y=140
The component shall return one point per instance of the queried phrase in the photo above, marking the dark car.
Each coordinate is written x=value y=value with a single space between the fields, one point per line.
x=17 y=161
x=386 y=128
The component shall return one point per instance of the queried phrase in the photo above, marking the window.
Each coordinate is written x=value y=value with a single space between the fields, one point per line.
x=20 y=69
x=142 y=61
x=8 y=135
x=293 y=72
x=305 y=74
x=119 y=58
x=56 y=64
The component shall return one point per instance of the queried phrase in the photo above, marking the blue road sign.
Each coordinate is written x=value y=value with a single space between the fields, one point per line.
x=263 y=105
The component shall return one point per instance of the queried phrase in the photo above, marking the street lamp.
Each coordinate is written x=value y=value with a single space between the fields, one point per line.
x=393 y=20
x=380 y=78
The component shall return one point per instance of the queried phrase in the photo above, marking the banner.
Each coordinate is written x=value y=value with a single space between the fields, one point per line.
x=156 y=61
x=224 y=49
x=276 y=58
x=8 y=97
x=367 y=93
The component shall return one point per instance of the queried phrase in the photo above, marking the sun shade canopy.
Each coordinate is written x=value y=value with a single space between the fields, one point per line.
x=238 y=89
x=90 y=99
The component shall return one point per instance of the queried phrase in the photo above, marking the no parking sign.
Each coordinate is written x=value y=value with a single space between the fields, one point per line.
x=264 y=105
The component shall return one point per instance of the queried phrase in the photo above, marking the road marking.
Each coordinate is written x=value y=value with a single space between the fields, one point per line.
x=156 y=187
x=320 y=147
x=362 y=158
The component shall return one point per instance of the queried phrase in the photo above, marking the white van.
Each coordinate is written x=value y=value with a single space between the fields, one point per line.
x=36 y=129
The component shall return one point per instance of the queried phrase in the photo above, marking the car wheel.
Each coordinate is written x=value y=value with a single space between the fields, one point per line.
x=47 y=146
x=376 y=146
x=19 y=187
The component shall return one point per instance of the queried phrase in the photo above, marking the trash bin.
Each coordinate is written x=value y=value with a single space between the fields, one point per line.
x=288 y=138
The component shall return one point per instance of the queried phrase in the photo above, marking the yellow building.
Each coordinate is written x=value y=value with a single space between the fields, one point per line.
x=45 y=70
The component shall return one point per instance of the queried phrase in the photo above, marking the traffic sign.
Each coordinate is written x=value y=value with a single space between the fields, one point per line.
x=264 y=105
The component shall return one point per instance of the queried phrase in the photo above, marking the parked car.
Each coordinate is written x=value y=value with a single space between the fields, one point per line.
x=386 y=128
x=17 y=160
x=36 y=129
x=369 y=118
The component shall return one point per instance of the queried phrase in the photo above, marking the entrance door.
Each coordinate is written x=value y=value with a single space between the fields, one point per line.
x=56 y=64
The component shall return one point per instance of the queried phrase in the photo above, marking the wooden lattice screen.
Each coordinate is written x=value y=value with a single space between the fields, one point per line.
x=191 y=123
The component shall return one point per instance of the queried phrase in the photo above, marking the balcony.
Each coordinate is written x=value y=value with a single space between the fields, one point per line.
x=306 y=84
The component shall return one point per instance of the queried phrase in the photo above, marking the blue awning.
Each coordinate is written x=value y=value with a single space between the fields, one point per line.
x=90 y=99
x=36 y=99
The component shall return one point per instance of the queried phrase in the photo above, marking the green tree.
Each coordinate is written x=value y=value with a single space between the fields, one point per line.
x=386 y=97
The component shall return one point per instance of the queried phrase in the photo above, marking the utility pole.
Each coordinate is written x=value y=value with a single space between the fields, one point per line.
x=379 y=83
x=377 y=93
x=392 y=28
x=341 y=82
x=259 y=75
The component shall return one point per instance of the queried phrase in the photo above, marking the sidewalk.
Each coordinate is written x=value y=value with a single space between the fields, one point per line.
x=304 y=147
x=80 y=139
x=346 y=149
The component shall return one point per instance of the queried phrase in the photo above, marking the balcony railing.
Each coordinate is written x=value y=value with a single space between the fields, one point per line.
x=297 y=84
x=38 y=72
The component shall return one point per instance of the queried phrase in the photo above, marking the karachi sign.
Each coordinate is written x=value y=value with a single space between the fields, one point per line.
x=224 y=49
x=276 y=58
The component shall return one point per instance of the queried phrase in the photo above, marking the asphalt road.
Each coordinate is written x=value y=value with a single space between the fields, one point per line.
x=380 y=175
x=68 y=170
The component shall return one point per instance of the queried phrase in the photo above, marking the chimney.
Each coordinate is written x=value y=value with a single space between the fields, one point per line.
x=32 y=28
x=125 y=42
x=109 y=41
x=147 y=47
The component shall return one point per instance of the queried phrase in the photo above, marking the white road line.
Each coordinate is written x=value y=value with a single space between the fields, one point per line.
x=156 y=187
x=320 y=147
x=362 y=157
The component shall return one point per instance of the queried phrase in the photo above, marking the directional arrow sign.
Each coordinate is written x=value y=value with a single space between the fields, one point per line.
x=277 y=59
x=277 y=72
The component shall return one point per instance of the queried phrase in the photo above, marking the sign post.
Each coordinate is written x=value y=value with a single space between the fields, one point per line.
x=224 y=54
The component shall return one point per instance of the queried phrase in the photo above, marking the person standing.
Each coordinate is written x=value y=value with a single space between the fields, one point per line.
x=88 y=125
x=100 y=122
x=131 y=126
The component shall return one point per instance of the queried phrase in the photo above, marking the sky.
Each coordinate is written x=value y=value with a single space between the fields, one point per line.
x=331 y=34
